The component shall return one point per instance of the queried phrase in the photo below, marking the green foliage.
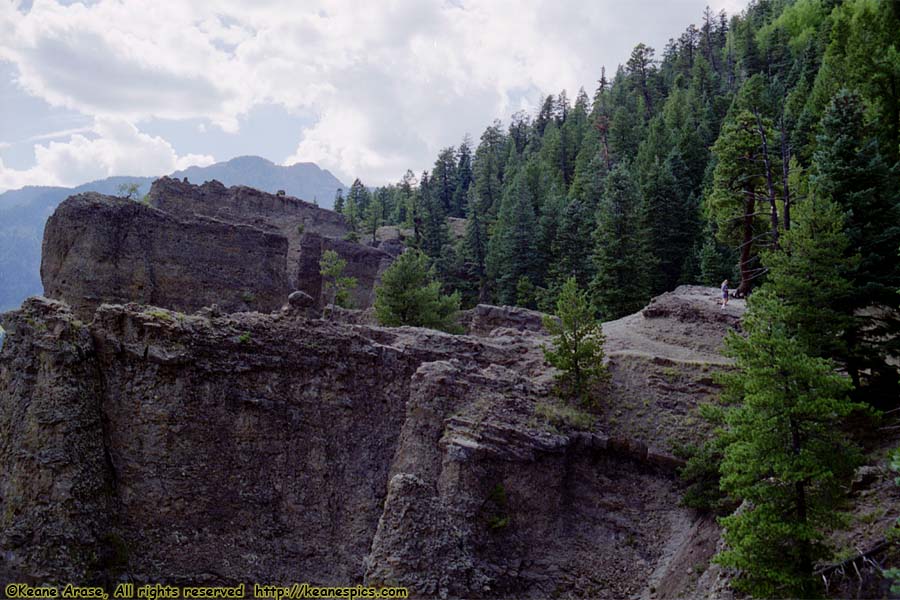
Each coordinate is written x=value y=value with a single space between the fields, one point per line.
x=785 y=457
x=244 y=338
x=464 y=179
x=577 y=350
x=512 y=250
x=571 y=255
x=526 y=293
x=375 y=214
x=863 y=54
x=810 y=276
x=475 y=248
x=850 y=171
x=564 y=417
x=800 y=21
x=356 y=205
x=670 y=223
x=715 y=265
x=623 y=262
x=410 y=295
x=336 y=287
x=894 y=574
x=129 y=190
x=735 y=200
x=497 y=505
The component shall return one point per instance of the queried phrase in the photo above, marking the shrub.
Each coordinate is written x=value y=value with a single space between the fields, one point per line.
x=409 y=294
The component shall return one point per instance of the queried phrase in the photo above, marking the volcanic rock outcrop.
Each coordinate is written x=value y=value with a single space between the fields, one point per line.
x=105 y=249
x=309 y=230
x=192 y=246
x=159 y=446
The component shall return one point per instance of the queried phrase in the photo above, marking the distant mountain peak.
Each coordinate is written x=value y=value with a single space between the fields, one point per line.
x=305 y=180
x=248 y=159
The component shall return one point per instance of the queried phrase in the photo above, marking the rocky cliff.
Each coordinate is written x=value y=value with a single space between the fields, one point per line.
x=107 y=249
x=193 y=246
x=162 y=446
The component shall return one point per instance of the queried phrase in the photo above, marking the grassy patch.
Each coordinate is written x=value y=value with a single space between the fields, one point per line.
x=564 y=416
x=162 y=315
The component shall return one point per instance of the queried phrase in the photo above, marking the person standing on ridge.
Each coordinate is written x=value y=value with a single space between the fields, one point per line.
x=724 y=294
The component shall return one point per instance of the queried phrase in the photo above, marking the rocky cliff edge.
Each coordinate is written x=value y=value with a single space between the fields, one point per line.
x=157 y=446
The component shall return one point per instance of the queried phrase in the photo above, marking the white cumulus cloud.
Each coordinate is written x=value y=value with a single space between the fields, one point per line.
x=115 y=147
x=390 y=82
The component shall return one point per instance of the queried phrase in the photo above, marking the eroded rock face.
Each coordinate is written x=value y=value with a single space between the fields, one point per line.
x=106 y=249
x=56 y=488
x=485 y=318
x=223 y=448
x=309 y=230
x=195 y=246
x=241 y=204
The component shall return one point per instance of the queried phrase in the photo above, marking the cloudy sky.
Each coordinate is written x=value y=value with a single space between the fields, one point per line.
x=366 y=89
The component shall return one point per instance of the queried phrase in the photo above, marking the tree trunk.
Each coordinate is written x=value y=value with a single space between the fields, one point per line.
x=785 y=173
x=747 y=242
x=806 y=563
x=770 y=186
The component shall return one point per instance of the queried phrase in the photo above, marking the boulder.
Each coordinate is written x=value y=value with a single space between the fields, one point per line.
x=485 y=318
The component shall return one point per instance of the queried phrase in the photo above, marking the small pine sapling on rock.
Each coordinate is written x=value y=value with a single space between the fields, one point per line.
x=336 y=286
x=577 y=349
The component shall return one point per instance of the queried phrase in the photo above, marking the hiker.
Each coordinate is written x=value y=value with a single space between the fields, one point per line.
x=724 y=294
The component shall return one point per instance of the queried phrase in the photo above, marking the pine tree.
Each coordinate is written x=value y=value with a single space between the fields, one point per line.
x=849 y=169
x=577 y=345
x=622 y=258
x=512 y=250
x=547 y=231
x=863 y=54
x=590 y=169
x=572 y=254
x=359 y=198
x=488 y=172
x=734 y=200
x=339 y=201
x=715 y=265
x=433 y=228
x=810 y=276
x=641 y=69
x=545 y=115
x=626 y=129
x=475 y=247
x=444 y=179
x=375 y=215
x=336 y=286
x=409 y=294
x=786 y=455
x=464 y=178
x=671 y=238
